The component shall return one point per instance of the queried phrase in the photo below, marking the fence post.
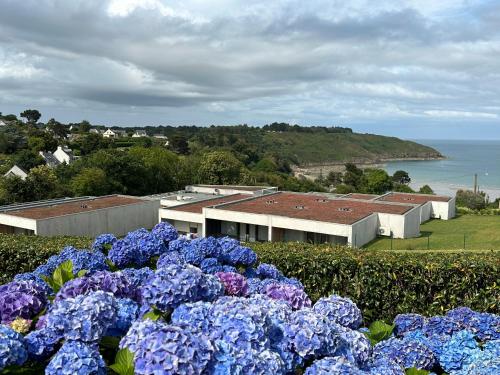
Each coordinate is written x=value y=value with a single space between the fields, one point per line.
x=391 y=240
x=428 y=241
x=464 y=241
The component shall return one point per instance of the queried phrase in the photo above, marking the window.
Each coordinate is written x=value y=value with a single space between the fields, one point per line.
x=193 y=229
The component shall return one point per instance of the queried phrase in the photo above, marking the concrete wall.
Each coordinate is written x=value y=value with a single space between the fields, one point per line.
x=412 y=223
x=444 y=210
x=425 y=212
x=364 y=231
x=117 y=220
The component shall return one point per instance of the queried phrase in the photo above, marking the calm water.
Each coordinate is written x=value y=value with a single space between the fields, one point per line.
x=464 y=158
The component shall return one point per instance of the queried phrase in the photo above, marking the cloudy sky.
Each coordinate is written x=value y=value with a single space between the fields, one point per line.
x=414 y=68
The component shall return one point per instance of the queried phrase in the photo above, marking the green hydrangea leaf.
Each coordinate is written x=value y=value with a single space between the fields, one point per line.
x=124 y=362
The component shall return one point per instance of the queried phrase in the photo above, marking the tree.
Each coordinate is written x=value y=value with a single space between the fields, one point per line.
x=13 y=189
x=42 y=183
x=344 y=189
x=377 y=181
x=162 y=167
x=90 y=181
x=334 y=178
x=92 y=142
x=84 y=126
x=178 y=143
x=469 y=199
x=219 y=167
x=353 y=176
x=426 y=189
x=28 y=159
x=266 y=165
x=402 y=188
x=42 y=142
x=401 y=177
x=31 y=115
x=58 y=129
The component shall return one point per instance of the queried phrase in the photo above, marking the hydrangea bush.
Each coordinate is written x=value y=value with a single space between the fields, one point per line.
x=164 y=304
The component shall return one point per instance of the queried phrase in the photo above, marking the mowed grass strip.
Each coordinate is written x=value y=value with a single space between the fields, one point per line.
x=480 y=232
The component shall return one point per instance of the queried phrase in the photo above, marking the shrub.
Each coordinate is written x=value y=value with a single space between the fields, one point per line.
x=24 y=253
x=384 y=284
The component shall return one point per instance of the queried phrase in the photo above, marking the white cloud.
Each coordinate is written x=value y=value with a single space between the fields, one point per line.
x=461 y=114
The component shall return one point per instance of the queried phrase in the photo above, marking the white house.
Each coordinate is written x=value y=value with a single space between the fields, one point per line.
x=49 y=158
x=139 y=134
x=16 y=171
x=113 y=133
x=94 y=131
x=3 y=123
x=64 y=155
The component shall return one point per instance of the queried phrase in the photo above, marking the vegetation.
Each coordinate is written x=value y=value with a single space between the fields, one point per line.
x=24 y=253
x=479 y=233
x=471 y=200
x=384 y=284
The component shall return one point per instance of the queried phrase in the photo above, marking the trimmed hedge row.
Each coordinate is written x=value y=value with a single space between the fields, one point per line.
x=20 y=253
x=384 y=284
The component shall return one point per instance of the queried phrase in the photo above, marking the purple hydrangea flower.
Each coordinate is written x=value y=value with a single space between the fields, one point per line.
x=12 y=348
x=85 y=317
x=407 y=322
x=339 y=310
x=116 y=283
x=297 y=298
x=77 y=358
x=42 y=343
x=23 y=299
x=234 y=283
x=165 y=231
x=30 y=276
x=76 y=287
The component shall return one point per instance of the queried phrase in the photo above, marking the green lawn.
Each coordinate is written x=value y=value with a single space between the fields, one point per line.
x=481 y=233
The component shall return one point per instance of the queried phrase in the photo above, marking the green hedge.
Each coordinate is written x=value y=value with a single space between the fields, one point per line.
x=24 y=253
x=384 y=284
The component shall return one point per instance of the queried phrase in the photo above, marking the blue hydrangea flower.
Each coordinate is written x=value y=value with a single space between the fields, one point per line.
x=407 y=322
x=85 y=317
x=42 y=343
x=440 y=326
x=196 y=315
x=171 y=257
x=407 y=353
x=254 y=286
x=485 y=326
x=268 y=271
x=384 y=366
x=12 y=348
x=332 y=365
x=211 y=265
x=227 y=244
x=310 y=334
x=457 y=351
x=173 y=285
x=127 y=313
x=48 y=268
x=137 y=248
x=201 y=248
x=291 y=281
x=138 y=331
x=229 y=361
x=173 y=350
x=435 y=343
x=76 y=358
x=339 y=310
x=91 y=261
x=165 y=231
x=103 y=242
x=138 y=276
x=241 y=256
x=30 y=276
x=179 y=244
x=353 y=345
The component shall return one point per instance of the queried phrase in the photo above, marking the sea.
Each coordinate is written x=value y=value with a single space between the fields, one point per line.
x=463 y=160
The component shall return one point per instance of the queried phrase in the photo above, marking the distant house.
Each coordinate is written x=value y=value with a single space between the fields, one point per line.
x=3 y=123
x=95 y=131
x=139 y=134
x=16 y=171
x=49 y=158
x=64 y=154
x=114 y=133
x=160 y=136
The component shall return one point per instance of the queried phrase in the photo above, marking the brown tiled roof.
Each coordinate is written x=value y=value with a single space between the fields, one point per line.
x=310 y=207
x=413 y=198
x=366 y=197
x=197 y=207
x=67 y=208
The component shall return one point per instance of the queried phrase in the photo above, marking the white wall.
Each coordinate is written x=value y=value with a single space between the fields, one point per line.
x=192 y=217
x=425 y=212
x=17 y=221
x=412 y=223
x=444 y=210
x=364 y=231
x=185 y=226
x=117 y=220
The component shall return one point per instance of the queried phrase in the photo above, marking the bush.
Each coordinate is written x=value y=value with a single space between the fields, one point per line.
x=384 y=284
x=469 y=199
x=24 y=253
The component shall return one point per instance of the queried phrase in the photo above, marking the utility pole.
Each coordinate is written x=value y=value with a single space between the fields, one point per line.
x=475 y=183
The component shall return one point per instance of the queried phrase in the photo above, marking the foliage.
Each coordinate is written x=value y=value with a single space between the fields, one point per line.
x=220 y=167
x=426 y=189
x=31 y=115
x=379 y=331
x=401 y=177
x=469 y=199
x=384 y=284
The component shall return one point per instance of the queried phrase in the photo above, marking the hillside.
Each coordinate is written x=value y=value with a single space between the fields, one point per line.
x=324 y=148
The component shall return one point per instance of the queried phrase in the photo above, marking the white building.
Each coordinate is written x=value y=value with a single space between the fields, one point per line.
x=64 y=155
x=49 y=158
x=16 y=171
x=283 y=216
x=84 y=216
x=3 y=123
x=139 y=134
x=114 y=133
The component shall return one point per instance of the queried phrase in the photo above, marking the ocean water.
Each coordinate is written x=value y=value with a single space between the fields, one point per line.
x=463 y=160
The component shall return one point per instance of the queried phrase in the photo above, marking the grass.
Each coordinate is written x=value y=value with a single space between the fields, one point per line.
x=481 y=233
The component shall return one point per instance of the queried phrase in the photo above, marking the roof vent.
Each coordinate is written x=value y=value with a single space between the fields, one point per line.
x=299 y=207
x=271 y=201
x=408 y=198
x=321 y=200
x=344 y=209
x=83 y=205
